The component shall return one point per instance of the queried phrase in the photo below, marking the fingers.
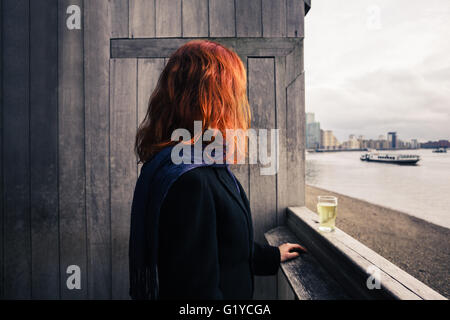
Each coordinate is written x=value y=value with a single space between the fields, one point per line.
x=292 y=246
x=291 y=255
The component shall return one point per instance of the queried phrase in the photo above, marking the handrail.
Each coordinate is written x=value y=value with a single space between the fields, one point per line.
x=359 y=271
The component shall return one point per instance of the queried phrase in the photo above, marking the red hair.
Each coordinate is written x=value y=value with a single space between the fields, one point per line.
x=202 y=81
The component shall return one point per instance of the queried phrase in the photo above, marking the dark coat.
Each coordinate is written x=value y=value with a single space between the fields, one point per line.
x=206 y=248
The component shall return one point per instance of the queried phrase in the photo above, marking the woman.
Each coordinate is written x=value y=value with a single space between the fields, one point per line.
x=191 y=231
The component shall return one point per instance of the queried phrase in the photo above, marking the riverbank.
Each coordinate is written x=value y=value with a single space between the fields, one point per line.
x=420 y=248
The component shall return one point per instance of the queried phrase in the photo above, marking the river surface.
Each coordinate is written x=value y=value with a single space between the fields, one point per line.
x=422 y=190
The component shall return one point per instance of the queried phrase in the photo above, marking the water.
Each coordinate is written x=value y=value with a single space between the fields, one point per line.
x=422 y=190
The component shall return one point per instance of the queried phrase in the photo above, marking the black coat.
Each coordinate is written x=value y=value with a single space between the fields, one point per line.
x=206 y=248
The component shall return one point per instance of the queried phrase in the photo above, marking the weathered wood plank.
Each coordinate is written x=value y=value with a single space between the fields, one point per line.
x=123 y=167
x=120 y=23
x=295 y=141
x=284 y=289
x=168 y=18
x=295 y=10
x=17 y=246
x=248 y=18
x=283 y=188
x=96 y=69
x=195 y=18
x=148 y=75
x=308 y=279
x=261 y=92
x=222 y=19
x=161 y=48
x=349 y=261
x=71 y=169
x=295 y=62
x=274 y=18
x=44 y=149
x=142 y=19
x=149 y=71
x=2 y=261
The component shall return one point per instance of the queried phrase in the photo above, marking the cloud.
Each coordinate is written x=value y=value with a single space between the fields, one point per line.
x=414 y=104
x=368 y=82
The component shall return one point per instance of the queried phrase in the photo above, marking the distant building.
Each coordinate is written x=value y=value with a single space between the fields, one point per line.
x=415 y=144
x=312 y=134
x=352 y=143
x=436 y=144
x=310 y=117
x=392 y=140
x=329 y=141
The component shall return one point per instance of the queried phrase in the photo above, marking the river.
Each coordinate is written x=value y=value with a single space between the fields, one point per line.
x=422 y=190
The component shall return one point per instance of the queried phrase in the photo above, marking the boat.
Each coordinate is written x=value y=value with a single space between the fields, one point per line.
x=440 y=150
x=407 y=159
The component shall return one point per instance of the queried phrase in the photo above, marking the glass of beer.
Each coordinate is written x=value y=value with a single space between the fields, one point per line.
x=327 y=209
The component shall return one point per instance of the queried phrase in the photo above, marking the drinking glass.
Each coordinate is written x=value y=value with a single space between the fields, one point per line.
x=327 y=210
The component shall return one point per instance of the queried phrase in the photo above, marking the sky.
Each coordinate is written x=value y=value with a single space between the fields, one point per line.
x=373 y=66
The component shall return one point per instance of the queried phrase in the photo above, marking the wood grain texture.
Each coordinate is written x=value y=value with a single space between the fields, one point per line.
x=295 y=142
x=222 y=20
x=71 y=151
x=283 y=188
x=295 y=62
x=284 y=289
x=142 y=19
x=96 y=70
x=120 y=23
x=295 y=15
x=195 y=18
x=44 y=149
x=349 y=261
x=161 y=48
x=274 y=18
x=2 y=261
x=168 y=18
x=263 y=193
x=248 y=18
x=123 y=114
x=305 y=276
x=149 y=71
x=16 y=157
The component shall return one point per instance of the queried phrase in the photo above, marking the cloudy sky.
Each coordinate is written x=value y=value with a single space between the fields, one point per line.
x=374 y=66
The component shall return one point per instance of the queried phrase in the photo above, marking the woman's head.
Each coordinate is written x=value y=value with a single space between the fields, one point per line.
x=202 y=81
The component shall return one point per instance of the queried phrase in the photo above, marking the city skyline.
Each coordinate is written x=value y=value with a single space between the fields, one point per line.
x=377 y=66
x=321 y=138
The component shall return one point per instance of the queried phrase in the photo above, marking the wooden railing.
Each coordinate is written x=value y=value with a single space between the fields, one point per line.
x=338 y=266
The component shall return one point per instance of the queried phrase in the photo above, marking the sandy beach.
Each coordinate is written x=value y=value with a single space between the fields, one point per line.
x=417 y=246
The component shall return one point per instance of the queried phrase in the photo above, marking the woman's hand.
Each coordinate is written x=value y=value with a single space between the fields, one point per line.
x=290 y=251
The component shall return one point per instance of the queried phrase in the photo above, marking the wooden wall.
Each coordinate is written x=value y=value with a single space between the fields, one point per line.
x=68 y=117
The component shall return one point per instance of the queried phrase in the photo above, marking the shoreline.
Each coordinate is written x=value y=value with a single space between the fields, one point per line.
x=419 y=247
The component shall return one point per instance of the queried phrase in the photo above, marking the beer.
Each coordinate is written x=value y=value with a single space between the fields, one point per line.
x=327 y=210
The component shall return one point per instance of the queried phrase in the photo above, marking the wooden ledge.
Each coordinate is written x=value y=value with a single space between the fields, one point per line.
x=344 y=259
x=307 y=278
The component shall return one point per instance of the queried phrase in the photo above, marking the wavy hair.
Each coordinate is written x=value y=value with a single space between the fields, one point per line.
x=202 y=81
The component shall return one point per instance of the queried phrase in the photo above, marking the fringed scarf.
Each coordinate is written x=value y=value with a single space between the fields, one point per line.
x=155 y=180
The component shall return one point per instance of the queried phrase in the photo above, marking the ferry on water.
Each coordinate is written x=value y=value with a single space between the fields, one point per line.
x=440 y=150
x=391 y=158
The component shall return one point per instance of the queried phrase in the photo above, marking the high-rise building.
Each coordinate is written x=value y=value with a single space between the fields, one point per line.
x=392 y=140
x=353 y=142
x=310 y=117
x=329 y=141
x=312 y=134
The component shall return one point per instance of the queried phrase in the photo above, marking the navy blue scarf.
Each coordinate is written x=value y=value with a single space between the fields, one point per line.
x=155 y=180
